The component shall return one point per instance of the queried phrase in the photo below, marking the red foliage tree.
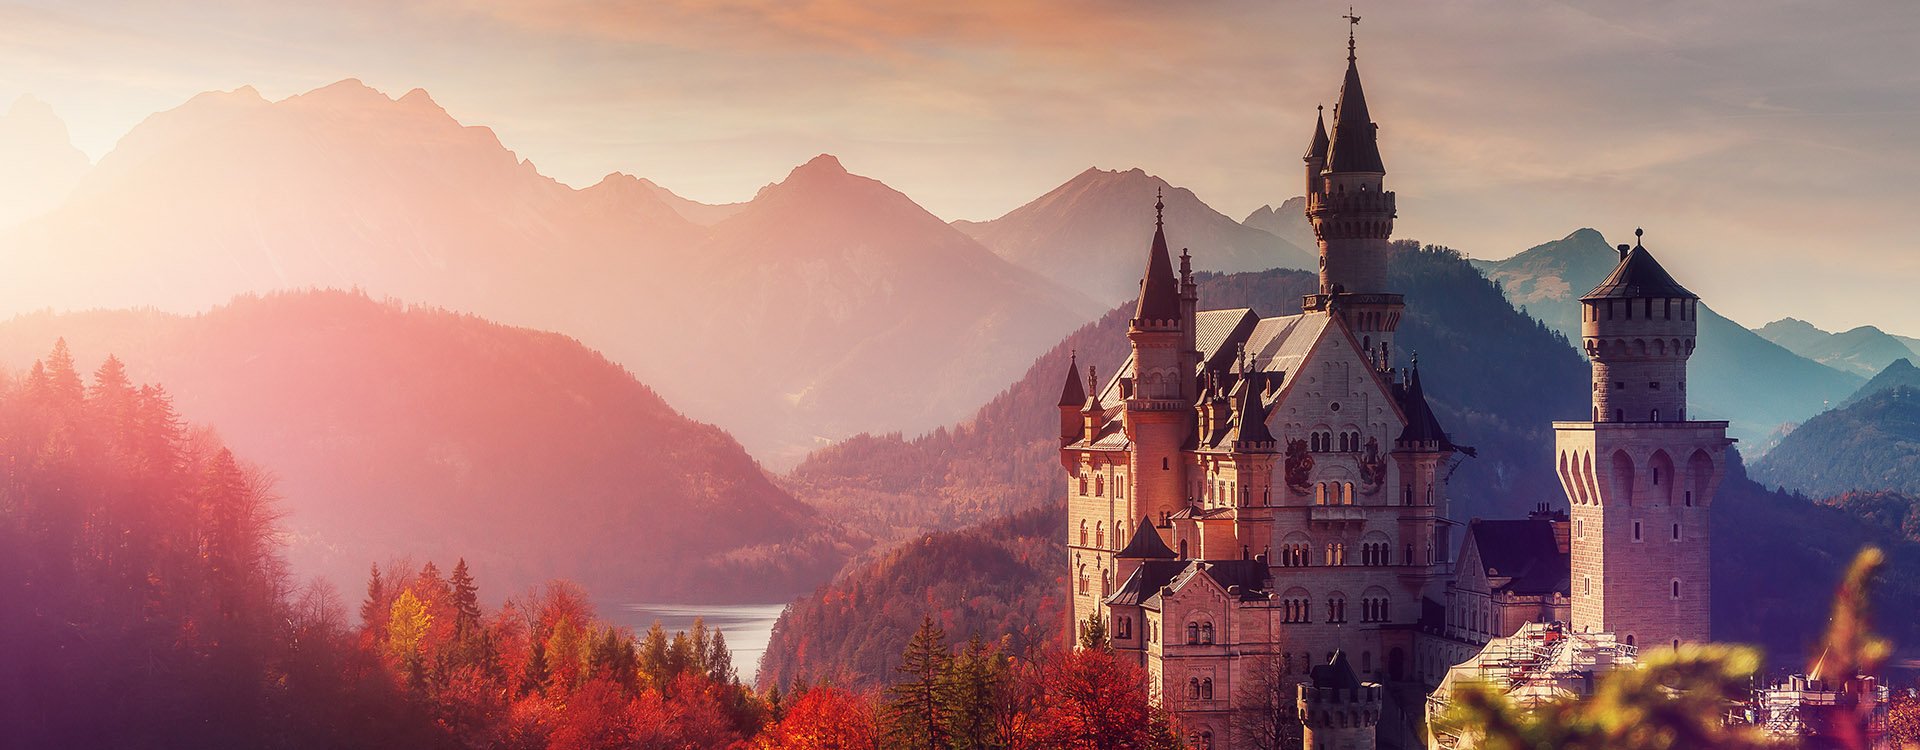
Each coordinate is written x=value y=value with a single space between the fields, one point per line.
x=825 y=718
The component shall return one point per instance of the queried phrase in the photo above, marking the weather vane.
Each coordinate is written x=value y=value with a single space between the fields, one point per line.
x=1352 y=21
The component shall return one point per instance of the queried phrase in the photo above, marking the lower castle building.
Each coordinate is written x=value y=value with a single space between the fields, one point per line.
x=1257 y=506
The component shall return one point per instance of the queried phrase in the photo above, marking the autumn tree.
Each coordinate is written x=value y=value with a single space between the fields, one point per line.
x=824 y=718
x=1088 y=699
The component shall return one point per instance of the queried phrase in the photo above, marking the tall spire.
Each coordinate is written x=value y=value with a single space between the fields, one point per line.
x=1317 y=149
x=1355 y=147
x=1159 y=291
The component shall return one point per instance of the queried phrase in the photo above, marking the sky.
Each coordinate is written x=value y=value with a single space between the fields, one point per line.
x=1768 y=148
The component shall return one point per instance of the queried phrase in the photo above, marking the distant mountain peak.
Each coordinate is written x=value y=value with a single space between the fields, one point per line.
x=824 y=164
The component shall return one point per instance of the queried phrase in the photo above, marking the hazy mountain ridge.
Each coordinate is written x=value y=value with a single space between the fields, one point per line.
x=1288 y=221
x=1863 y=351
x=1084 y=234
x=413 y=431
x=1736 y=375
x=41 y=163
x=346 y=187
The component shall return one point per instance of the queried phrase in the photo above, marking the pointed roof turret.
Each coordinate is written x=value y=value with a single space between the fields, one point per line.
x=1072 y=394
x=1422 y=425
x=1317 y=149
x=1355 y=146
x=1159 y=290
x=1638 y=275
x=1145 y=544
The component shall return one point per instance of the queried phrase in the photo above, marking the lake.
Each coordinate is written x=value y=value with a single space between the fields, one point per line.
x=748 y=626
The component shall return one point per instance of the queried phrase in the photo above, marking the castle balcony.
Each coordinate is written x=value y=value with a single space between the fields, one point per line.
x=1663 y=425
x=1336 y=513
x=1158 y=404
x=1350 y=201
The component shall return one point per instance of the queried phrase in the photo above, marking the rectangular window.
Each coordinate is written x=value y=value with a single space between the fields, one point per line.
x=1636 y=531
x=1580 y=529
x=1676 y=532
x=1654 y=385
x=1586 y=584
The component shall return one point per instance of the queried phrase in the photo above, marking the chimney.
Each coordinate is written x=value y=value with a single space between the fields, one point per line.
x=1623 y=251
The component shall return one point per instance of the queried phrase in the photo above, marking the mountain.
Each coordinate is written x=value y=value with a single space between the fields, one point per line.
x=42 y=165
x=828 y=305
x=704 y=214
x=1546 y=280
x=409 y=431
x=1862 y=351
x=1288 y=222
x=1005 y=458
x=1085 y=234
x=1870 y=445
x=1900 y=373
x=838 y=303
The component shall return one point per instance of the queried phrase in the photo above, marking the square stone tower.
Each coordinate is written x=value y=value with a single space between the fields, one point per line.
x=1640 y=476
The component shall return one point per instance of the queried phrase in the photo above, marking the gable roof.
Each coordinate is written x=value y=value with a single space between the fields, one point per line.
x=1145 y=544
x=1146 y=582
x=1525 y=551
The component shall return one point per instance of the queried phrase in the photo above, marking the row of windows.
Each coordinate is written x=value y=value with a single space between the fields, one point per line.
x=1324 y=441
x=1299 y=609
x=1623 y=308
x=1099 y=486
x=1372 y=554
x=1580 y=530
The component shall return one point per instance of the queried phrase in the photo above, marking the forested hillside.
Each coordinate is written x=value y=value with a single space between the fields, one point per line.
x=1869 y=445
x=1000 y=581
x=409 y=431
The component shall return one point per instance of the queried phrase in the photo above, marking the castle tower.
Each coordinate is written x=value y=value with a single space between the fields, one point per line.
x=1422 y=450
x=1639 y=476
x=1352 y=215
x=1337 y=711
x=1159 y=397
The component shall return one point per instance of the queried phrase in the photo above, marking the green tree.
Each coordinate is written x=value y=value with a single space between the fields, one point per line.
x=978 y=681
x=1093 y=633
x=918 y=707
x=375 y=604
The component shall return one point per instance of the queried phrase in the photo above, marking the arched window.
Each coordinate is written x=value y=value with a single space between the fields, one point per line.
x=1083 y=578
x=1346 y=497
x=1193 y=688
x=1099 y=486
x=1206 y=633
x=1676 y=588
x=1100 y=534
x=1106 y=583
x=1193 y=633
x=1656 y=416
x=1206 y=689
x=1083 y=533
x=1183 y=549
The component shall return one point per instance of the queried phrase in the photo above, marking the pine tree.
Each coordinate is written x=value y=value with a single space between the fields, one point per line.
x=466 y=596
x=63 y=379
x=918 y=706
x=720 y=660
x=372 y=610
x=979 y=676
x=654 y=656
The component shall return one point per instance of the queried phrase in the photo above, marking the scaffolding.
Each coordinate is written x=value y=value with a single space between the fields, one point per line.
x=1540 y=663
x=1810 y=705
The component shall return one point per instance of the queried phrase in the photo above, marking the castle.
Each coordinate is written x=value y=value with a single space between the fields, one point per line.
x=1257 y=506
